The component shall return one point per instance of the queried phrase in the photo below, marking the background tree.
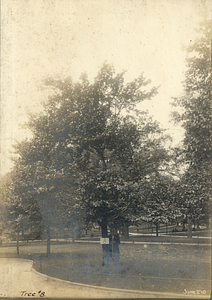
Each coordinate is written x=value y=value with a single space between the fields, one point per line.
x=160 y=204
x=36 y=179
x=196 y=120
x=5 y=203
x=24 y=209
x=19 y=212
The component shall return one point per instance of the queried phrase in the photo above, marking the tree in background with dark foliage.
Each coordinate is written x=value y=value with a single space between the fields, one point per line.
x=196 y=120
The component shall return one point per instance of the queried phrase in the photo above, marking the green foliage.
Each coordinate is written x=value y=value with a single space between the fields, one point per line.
x=19 y=212
x=196 y=120
x=160 y=204
x=5 y=202
x=92 y=152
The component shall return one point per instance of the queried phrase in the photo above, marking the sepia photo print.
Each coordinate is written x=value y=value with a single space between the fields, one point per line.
x=105 y=173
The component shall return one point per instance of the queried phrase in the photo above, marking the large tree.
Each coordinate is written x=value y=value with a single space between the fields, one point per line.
x=196 y=121
x=93 y=150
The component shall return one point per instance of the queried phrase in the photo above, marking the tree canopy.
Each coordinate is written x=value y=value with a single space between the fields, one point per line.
x=196 y=120
x=92 y=151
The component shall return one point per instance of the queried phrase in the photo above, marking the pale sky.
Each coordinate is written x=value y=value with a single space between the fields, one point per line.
x=67 y=37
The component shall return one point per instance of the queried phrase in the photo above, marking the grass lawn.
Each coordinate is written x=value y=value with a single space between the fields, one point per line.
x=164 y=268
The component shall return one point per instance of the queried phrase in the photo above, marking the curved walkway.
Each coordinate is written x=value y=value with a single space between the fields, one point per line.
x=19 y=279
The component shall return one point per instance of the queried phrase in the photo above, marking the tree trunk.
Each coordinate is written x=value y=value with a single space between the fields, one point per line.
x=126 y=232
x=189 y=235
x=104 y=230
x=207 y=222
x=18 y=242
x=115 y=262
x=197 y=224
x=156 y=229
x=73 y=234
x=183 y=225
x=105 y=247
x=48 y=239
